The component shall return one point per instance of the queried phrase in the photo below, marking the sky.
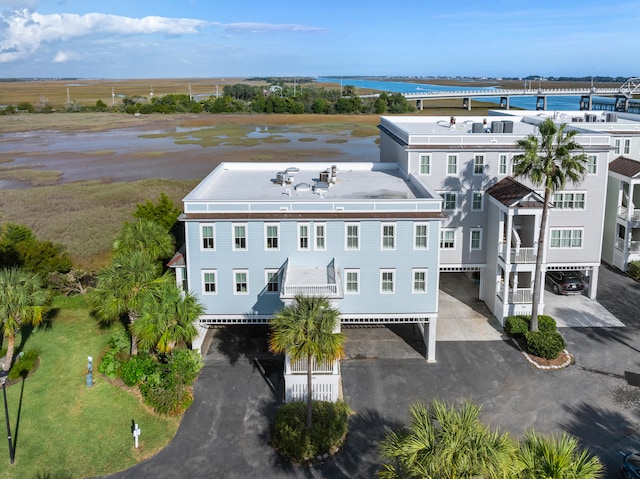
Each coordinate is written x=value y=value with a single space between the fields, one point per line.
x=245 y=38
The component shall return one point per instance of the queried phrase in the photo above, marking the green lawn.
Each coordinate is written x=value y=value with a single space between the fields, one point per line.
x=62 y=428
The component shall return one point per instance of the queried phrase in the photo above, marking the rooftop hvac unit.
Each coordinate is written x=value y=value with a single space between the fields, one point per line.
x=590 y=118
x=334 y=173
x=577 y=119
x=325 y=176
x=507 y=127
x=283 y=177
x=496 y=127
x=612 y=117
x=476 y=128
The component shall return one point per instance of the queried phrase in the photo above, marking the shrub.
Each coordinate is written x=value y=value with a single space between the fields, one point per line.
x=328 y=429
x=634 y=269
x=516 y=326
x=24 y=365
x=546 y=323
x=185 y=364
x=111 y=362
x=544 y=344
x=137 y=368
x=167 y=399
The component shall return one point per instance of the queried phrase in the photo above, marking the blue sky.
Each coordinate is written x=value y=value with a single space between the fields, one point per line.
x=213 y=38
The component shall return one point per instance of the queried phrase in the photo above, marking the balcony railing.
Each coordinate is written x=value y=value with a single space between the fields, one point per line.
x=517 y=296
x=632 y=246
x=311 y=289
x=322 y=367
x=634 y=215
x=519 y=255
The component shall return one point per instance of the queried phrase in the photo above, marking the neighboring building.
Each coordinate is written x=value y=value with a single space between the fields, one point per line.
x=622 y=220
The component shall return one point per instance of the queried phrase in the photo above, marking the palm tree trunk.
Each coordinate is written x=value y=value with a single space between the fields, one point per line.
x=11 y=346
x=538 y=280
x=134 y=339
x=309 y=394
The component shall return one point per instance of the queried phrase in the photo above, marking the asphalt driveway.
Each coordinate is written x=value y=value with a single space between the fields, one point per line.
x=225 y=433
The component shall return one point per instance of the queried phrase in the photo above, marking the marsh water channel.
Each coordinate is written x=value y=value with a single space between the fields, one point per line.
x=37 y=157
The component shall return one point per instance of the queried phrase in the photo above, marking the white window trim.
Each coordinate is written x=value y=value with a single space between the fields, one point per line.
x=428 y=156
x=444 y=202
x=484 y=163
x=315 y=236
x=617 y=146
x=393 y=280
x=506 y=164
x=346 y=236
x=213 y=226
x=382 y=246
x=268 y=273
x=415 y=236
x=457 y=164
x=571 y=239
x=235 y=284
x=346 y=280
x=266 y=237
x=562 y=193
x=442 y=231
x=215 y=283
x=473 y=193
x=298 y=226
x=413 y=280
x=471 y=231
x=233 y=237
x=589 y=164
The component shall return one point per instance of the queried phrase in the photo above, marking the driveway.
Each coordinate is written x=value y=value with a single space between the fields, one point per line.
x=225 y=433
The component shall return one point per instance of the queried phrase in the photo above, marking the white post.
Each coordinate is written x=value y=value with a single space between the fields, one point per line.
x=136 y=434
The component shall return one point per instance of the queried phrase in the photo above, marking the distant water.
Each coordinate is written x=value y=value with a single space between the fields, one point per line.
x=527 y=102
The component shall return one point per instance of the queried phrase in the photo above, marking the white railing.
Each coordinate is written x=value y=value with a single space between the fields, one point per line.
x=632 y=246
x=322 y=367
x=324 y=388
x=311 y=290
x=517 y=296
x=623 y=212
x=519 y=255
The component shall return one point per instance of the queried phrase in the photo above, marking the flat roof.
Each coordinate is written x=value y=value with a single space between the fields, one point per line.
x=256 y=181
x=442 y=125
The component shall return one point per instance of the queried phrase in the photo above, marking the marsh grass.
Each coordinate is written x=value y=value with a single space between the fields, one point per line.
x=307 y=140
x=31 y=176
x=84 y=216
x=64 y=428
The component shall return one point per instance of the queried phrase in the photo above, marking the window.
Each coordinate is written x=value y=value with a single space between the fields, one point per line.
x=386 y=281
x=208 y=235
x=209 y=281
x=321 y=236
x=447 y=239
x=502 y=165
x=449 y=201
x=627 y=146
x=569 y=201
x=352 y=236
x=425 y=164
x=272 y=234
x=452 y=164
x=419 y=280
x=352 y=277
x=566 y=238
x=476 y=201
x=616 y=146
x=478 y=165
x=272 y=280
x=239 y=237
x=241 y=281
x=388 y=236
x=303 y=236
x=476 y=239
x=592 y=164
x=421 y=236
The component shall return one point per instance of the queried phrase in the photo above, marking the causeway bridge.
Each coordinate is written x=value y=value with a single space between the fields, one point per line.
x=623 y=95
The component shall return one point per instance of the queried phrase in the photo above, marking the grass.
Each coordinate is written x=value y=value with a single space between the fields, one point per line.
x=62 y=428
x=84 y=216
x=31 y=176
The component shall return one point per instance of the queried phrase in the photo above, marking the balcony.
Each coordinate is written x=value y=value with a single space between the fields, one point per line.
x=518 y=255
x=322 y=367
x=311 y=281
x=632 y=246
x=629 y=215
x=517 y=295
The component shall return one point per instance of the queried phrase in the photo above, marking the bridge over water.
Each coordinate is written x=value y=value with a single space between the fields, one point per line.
x=623 y=95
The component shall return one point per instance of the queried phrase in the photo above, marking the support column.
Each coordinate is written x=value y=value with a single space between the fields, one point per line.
x=466 y=103
x=419 y=104
x=541 y=102
x=593 y=282
x=504 y=102
x=429 y=336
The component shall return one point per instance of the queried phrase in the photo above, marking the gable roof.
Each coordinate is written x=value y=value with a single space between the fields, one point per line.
x=625 y=167
x=512 y=193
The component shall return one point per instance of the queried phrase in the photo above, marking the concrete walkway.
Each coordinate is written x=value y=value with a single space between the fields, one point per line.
x=226 y=432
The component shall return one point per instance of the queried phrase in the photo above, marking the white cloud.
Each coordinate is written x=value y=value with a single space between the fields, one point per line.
x=16 y=4
x=25 y=31
x=66 y=56
x=269 y=27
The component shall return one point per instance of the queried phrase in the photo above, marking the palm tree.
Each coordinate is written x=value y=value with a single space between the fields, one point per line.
x=121 y=286
x=549 y=159
x=305 y=330
x=145 y=235
x=558 y=457
x=447 y=442
x=167 y=318
x=23 y=300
